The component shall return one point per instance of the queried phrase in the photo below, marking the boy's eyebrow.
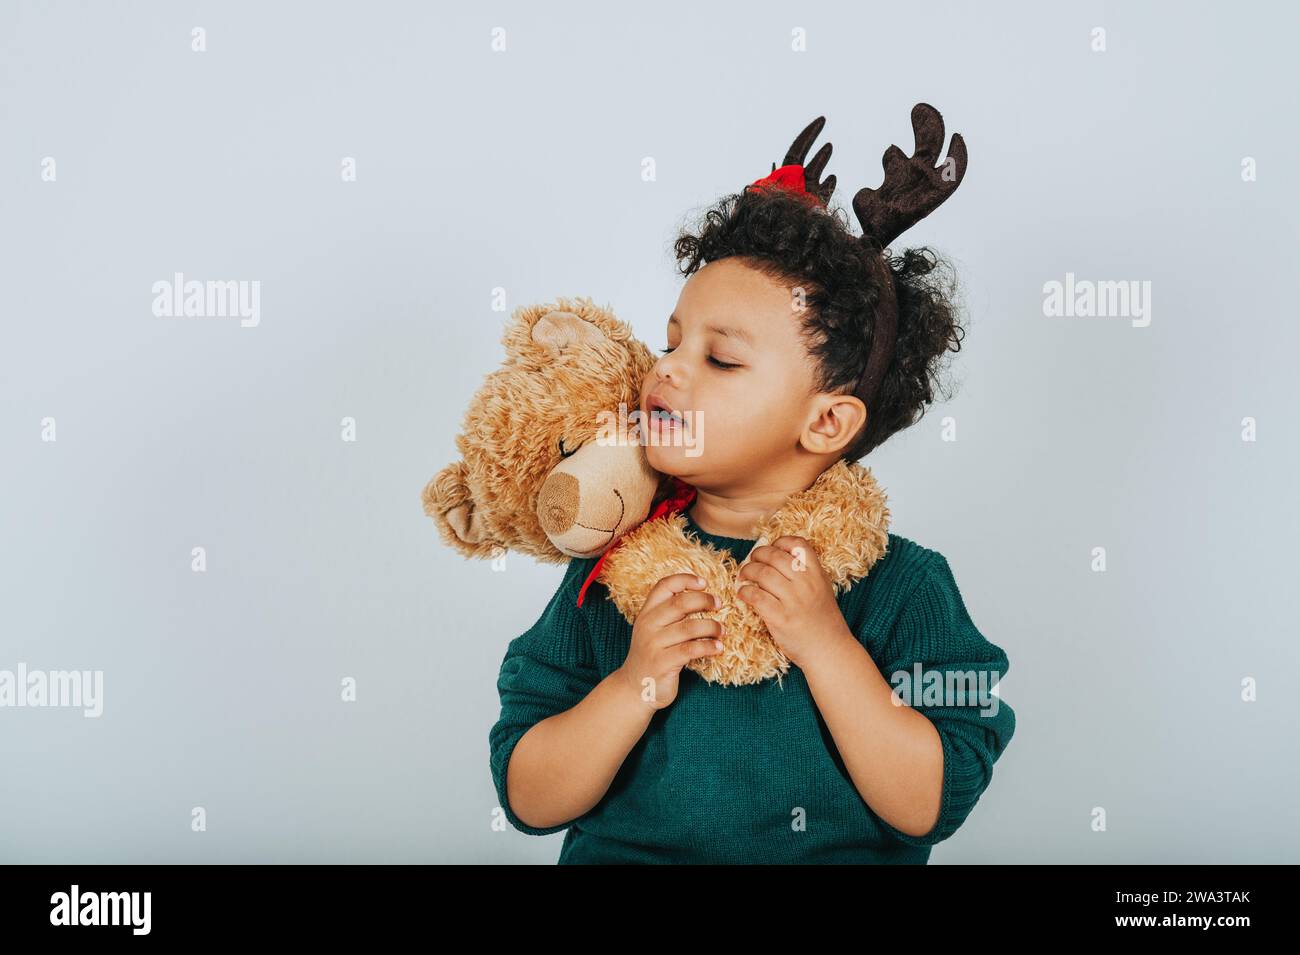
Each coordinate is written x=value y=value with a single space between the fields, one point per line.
x=727 y=331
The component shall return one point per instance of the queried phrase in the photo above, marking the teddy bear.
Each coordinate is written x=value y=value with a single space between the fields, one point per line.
x=541 y=470
x=553 y=465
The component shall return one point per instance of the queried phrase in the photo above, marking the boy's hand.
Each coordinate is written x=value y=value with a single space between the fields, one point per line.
x=785 y=585
x=665 y=639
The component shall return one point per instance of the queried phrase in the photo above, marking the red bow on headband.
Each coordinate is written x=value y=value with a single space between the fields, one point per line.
x=679 y=498
x=788 y=177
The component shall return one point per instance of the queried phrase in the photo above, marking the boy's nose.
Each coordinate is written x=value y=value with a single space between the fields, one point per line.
x=665 y=369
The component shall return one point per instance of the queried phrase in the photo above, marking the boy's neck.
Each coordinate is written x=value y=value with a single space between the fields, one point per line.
x=735 y=510
x=737 y=516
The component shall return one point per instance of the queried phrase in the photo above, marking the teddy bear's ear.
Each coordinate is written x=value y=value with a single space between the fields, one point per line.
x=557 y=332
x=448 y=500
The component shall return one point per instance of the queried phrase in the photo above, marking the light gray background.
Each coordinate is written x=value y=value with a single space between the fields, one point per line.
x=521 y=170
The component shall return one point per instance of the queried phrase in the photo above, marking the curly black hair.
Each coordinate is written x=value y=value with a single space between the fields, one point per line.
x=811 y=247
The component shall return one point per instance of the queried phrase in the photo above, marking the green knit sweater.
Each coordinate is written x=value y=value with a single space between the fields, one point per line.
x=750 y=774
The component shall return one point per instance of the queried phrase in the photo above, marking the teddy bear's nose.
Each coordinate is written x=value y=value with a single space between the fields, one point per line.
x=557 y=504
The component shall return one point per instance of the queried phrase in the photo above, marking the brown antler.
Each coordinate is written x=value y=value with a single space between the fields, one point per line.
x=913 y=187
x=813 y=170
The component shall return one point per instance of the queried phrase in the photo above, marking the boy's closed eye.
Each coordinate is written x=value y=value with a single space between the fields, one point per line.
x=717 y=362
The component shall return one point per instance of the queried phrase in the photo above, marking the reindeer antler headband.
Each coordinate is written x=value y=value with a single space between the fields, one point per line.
x=913 y=188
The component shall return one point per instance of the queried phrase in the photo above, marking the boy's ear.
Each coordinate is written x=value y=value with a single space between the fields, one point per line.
x=838 y=422
x=557 y=332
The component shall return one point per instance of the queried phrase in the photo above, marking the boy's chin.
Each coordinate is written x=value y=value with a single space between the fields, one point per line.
x=671 y=460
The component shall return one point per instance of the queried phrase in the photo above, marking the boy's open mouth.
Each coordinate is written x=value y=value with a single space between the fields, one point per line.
x=662 y=416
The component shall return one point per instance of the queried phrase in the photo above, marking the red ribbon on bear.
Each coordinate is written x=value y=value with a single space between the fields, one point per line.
x=679 y=498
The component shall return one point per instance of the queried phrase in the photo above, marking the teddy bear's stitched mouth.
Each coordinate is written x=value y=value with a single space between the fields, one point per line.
x=611 y=531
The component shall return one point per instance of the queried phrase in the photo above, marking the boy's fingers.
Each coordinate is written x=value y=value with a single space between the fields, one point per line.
x=681 y=605
x=758 y=598
x=684 y=653
x=789 y=542
x=775 y=557
x=670 y=586
x=692 y=628
x=800 y=555
x=764 y=574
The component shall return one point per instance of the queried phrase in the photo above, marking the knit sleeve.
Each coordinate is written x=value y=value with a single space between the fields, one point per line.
x=958 y=670
x=547 y=670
